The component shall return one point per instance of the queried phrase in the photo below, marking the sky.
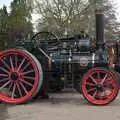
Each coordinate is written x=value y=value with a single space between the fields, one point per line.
x=116 y=2
x=117 y=6
x=6 y=2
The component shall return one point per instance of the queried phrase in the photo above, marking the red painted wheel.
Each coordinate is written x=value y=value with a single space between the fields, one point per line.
x=19 y=76
x=99 y=86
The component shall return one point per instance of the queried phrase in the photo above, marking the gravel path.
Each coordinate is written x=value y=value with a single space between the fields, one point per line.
x=61 y=106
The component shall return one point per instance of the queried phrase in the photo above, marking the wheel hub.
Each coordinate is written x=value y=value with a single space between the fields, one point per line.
x=99 y=86
x=14 y=76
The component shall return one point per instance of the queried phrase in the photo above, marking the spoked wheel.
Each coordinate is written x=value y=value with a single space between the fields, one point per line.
x=99 y=86
x=20 y=77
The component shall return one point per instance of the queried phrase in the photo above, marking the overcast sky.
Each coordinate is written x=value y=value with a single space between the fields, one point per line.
x=117 y=6
x=6 y=2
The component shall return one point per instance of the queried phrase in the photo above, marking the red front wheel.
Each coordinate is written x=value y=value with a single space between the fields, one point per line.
x=19 y=76
x=99 y=86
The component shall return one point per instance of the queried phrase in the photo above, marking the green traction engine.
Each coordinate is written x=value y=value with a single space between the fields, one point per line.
x=49 y=64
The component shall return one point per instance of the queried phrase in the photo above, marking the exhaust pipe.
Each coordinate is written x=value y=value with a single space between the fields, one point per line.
x=99 y=27
x=100 y=43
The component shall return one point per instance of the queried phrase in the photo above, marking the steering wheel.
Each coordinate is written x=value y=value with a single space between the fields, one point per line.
x=51 y=39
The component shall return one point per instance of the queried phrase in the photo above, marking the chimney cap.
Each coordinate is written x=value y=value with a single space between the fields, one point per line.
x=99 y=11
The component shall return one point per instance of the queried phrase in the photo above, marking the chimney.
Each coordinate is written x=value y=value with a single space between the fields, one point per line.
x=99 y=27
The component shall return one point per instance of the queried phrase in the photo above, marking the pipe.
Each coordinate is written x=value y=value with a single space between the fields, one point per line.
x=99 y=27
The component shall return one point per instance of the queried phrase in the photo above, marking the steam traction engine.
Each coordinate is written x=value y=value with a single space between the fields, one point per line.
x=28 y=70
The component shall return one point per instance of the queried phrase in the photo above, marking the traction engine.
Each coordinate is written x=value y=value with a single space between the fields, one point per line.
x=47 y=63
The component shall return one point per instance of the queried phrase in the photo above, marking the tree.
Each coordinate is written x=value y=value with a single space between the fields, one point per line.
x=3 y=26
x=61 y=16
x=16 y=24
x=3 y=19
x=20 y=19
x=74 y=15
x=111 y=23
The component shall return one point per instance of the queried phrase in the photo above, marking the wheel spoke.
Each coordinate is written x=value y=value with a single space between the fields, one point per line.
x=11 y=63
x=21 y=64
x=92 y=89
x=95 y=93
x=91 y=84
x=3 y=75
x=4 y=70
x=4 y=79
x=18 y=87
x=6 y=65
x=27 y=83
x=16 y=60
x=98 y=74
x=25 y=66
x=5 y=85
x=30 y=71
x=24 y=88
x=10 y=86
x=100 y=95
x=103 y=80
x=93 y=79
x=106 y=88
x=13 y=91
x=105 y=92
x=108 y=82
x=28 y=77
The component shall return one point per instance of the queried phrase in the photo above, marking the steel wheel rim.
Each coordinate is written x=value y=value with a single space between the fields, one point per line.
x=40 y=75
x=22 y=83
x=96 y=93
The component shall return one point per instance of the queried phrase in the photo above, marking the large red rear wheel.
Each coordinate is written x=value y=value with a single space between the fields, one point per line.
x=19 y=76
x=99 y=86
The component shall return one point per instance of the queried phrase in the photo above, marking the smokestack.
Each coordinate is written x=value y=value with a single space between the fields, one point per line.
x=99 y=27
